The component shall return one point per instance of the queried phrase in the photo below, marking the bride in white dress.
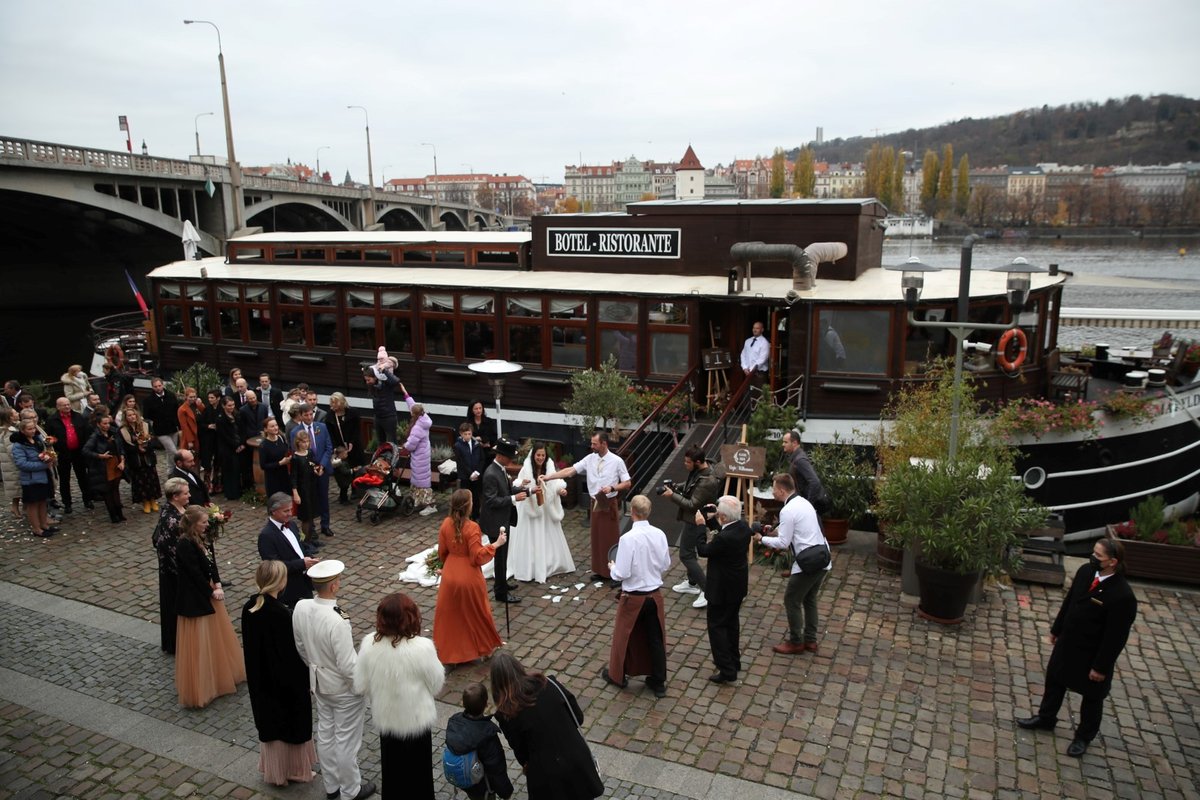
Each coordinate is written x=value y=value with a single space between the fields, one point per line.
x=537 y=547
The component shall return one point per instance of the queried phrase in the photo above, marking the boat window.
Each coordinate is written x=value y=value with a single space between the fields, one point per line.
x=852 y=340
x=291 y=296
x=361 y=298
x=255 y=294
x=397 y=334
x=362 y=332
x=442 y=303
x=378 y=255
x=227 y=294
x=283 y=254
x=291 y=328
x=172 y=319
x=568 y=308
x=923 y=345
x=200 y=326
x=618 y=311
x=348 y=255
x=621 y=345
x=668 y=353
x=312 y=254
x=247 y=253
x=259 y=323
x=325 y=330
x=169 y=290
x=322 y=297
x=568 y=347
x=479 y=340
x=231 y=323
x=524 y=307
x=451 y=256
x=418 y=256
x=525 y=344
x=439 y=338
x=505 y=257
x=478 y=304
x=400 y=301
x=196 y=292
x=668 y=314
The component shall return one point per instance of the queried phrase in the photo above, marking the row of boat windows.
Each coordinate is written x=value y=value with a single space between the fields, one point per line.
x=538 y=331
x=379 y=255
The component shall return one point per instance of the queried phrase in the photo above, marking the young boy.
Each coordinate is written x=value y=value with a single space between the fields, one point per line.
x=468 y=455
x=471 y=729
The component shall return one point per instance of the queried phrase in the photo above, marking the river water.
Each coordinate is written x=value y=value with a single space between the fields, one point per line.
x=1108 y=273
x=1119 y=274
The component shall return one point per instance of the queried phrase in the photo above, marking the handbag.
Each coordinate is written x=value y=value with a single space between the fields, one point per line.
x=112 y=468
x=813 y=558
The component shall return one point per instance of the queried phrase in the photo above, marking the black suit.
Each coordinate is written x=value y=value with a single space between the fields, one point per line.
x=1092 y=627
x=728 y=578
x=251 y=419
x=199 y=492
x=274 y=546
x=498 y=511
x=70 y=459
x=161 y=413
x=468 y=459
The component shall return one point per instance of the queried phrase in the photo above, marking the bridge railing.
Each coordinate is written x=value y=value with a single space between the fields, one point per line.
x=35 y=153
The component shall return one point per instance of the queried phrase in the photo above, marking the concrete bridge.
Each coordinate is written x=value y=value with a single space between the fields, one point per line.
x=161 y=193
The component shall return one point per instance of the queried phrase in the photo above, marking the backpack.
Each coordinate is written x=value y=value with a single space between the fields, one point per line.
x=464 y=771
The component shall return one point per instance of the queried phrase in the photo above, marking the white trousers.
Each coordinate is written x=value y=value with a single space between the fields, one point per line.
x=168 y=443
x=339 y=735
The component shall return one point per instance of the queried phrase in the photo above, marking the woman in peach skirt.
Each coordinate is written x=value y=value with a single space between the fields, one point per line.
x=208 y=658
x=463 y=627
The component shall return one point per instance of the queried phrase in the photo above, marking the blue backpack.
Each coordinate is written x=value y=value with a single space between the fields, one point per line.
x=464 y=771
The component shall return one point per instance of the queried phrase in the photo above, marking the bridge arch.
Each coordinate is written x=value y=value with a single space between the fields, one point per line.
x=295 y=214
x=482 y=222
x=401 y=218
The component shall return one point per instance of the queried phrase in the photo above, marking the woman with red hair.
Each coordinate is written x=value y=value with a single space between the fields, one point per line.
x=398 y=669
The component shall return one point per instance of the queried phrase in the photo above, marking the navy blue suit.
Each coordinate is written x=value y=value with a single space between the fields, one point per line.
x=322 y=453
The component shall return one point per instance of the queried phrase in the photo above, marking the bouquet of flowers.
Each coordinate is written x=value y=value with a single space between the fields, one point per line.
x=216 y=521
x=433 y=564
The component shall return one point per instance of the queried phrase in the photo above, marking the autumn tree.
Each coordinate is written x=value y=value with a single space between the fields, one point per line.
x=929 y=183
x=898 y=184
x=962 y=192
x=985 y=206
x=569 y=205
x=945 y=189
x=804 y=178
x=778 y=169
x=485 y=197
x=522 y=206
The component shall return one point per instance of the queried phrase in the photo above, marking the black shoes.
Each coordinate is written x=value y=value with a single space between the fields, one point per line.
x=719 y=678
x=1037 y=723
x=67 y=509
x=659 y=691
x=511 y=584
x=508 y=598
x=1077 y=748
x=326 y=532
x=608 y=679
x=89 y=505
x=365 y=790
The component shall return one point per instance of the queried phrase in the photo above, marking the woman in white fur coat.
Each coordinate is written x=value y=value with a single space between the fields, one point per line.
x=538 y=548
x=399 y=671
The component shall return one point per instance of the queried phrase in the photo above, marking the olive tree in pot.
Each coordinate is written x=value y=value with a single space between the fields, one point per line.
x=961 y=518
x=847 y=477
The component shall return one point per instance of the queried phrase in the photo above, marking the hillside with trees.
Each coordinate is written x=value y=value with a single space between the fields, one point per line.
x=1161 y=129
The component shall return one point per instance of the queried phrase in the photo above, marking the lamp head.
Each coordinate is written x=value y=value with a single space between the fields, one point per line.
x=912 y=279
x=1020 y=279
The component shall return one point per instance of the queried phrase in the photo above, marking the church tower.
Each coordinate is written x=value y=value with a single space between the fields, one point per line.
x=689 y=177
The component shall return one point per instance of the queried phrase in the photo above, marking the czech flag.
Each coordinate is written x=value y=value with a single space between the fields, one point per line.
x=137 y=295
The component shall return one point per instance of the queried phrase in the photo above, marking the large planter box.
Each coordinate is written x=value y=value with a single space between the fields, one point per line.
x=1162 y=562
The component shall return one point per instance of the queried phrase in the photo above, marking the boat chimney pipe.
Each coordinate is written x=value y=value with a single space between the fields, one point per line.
x=803 y=260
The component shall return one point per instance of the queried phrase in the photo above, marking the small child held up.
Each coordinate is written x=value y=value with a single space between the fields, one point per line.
x=472 y=729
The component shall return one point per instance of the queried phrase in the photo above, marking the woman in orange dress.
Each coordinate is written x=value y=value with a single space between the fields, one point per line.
x=463 y=627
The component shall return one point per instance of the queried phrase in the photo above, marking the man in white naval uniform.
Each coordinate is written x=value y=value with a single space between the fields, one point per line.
x=326 y=644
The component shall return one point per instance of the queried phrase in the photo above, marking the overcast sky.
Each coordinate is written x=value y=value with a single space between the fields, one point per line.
x=528 y=87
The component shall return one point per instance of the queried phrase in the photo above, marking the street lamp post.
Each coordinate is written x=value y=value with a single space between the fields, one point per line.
x=496 y=370
x=196 y=127
x=436 y=185
x=370 y=217
x=913 y=281
x=319 y=149
x=235 y=172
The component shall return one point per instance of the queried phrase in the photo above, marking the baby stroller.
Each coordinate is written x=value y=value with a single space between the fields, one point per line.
x=380 y=482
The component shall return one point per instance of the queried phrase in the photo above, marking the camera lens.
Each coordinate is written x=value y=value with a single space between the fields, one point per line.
x=660 y=490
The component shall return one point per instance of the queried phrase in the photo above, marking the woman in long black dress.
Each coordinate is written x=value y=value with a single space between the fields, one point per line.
x=164 y=539
x=483 y=429
x=207 y=426
x=278 y=682
x=274 y=456
x=106 y=461
x=540 y=719
x=229 y=445
x=141 y=465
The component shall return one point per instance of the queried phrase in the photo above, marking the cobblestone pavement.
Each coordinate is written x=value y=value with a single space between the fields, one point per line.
x=892 y=706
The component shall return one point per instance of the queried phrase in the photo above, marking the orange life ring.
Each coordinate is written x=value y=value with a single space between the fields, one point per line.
x=1013 y=364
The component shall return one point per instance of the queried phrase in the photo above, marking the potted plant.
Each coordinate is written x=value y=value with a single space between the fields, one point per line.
x=961 y=517
x=1191 y=359
x=1157 y=546
x=1162 y=347
x=600 y=397
x=847 y=479
x=765 y=428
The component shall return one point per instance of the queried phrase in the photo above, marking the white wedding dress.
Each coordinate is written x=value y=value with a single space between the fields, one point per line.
x=537 y=547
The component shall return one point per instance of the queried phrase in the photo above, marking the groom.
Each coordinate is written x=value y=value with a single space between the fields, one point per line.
x=500 y=510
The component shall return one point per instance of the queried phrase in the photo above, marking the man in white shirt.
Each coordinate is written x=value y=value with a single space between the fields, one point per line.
x=326 y=644
x=798 y=530
x=756 y=355
x=607 y=476
x=639 y=631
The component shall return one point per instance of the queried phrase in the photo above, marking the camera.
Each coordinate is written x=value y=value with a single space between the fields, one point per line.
x=666 y=484
x=708 y=510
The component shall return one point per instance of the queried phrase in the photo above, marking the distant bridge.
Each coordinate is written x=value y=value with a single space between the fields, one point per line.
x=163 y=192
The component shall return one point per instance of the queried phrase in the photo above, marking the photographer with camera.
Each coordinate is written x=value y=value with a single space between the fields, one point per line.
x=700 y=489
x=728 y=579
